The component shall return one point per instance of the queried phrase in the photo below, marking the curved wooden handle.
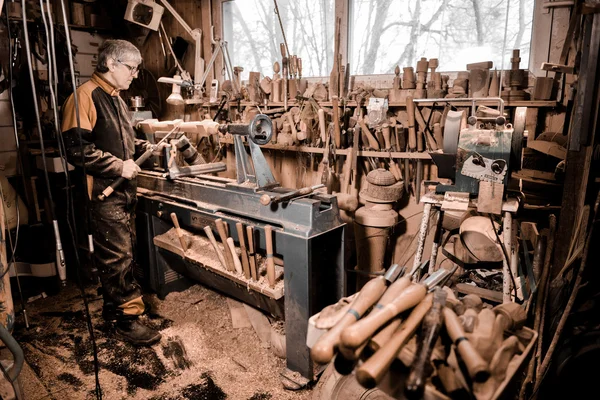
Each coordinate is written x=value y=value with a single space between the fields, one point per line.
x=241 y=237
x=477 y=367
x=236 y=261
x=178 y=231
x=270 y=261
x=385 y=334
x=370 y=138
x=358 y=333
x=371 y=372
x=392 y=292
x=323 y=350
x=220 y=224
x=213 y=241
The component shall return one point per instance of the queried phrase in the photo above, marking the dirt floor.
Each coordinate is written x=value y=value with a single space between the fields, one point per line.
x=201 y=355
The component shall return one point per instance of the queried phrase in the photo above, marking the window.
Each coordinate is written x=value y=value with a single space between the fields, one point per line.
x=252 y=31
x=386 y=33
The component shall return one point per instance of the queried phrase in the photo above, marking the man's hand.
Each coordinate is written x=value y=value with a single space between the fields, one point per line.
x=130 y=169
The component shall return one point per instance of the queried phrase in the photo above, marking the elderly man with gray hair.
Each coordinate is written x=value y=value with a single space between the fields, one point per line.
x=109 y=146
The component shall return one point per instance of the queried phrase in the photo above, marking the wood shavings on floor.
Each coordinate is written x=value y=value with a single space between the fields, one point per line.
x=201 y=355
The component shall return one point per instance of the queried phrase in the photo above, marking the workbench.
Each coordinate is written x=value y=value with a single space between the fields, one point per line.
x=308 y=235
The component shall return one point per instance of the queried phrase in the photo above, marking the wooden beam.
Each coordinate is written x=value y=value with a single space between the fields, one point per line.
x=205 y=7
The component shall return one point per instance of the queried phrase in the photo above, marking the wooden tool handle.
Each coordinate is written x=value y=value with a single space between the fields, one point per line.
x=220 y=224
x=179 y=232
x=387 y=133
x=252 y=252
x=385 y=334
x=290 y=119
x=236 y=260
x=322 y=126
x=393 y=291
x=358 y=333
x=213 y=241
x=477 y=367
x=370 y=373
x=412 y=135
x=282 y=49
x=270 y=261
x=337 y=134
x=241 y=237
x=370 y=138
x=323 y=350
x=430 y=330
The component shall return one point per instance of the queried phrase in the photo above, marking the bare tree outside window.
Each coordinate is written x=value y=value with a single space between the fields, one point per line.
x=386 y=33
x=252 y=31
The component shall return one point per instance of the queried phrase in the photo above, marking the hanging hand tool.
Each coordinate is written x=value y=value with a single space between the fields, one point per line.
x=179 y=232
x=142 y=159
x=265 y=199
x=355 y=335
x=252 y=253
x=270 y=260
x=337 y=134
x=476 y=366
x=322 y=125
x=430 y=330
x=245 y=262
x=414 y=143
x=220 y=224
x=371 y=372
x=323 y=350
x=373 y=143
x=334 y=76
x=213 y=241
x=284 y=75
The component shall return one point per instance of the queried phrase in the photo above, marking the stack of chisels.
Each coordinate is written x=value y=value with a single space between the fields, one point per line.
x=393 y=320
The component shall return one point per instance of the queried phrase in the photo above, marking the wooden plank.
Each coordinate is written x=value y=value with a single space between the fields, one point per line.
x=531 y=121
x=551 y=148
x=486 y=294
x=208 y=260
x=217 y=20
x=260 y=322
x=205 y=7
x=239 y=316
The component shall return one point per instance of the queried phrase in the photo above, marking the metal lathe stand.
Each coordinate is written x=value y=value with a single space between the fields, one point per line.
x=307 y=235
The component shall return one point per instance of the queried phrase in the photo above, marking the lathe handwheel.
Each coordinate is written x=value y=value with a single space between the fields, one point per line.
x=261 y=129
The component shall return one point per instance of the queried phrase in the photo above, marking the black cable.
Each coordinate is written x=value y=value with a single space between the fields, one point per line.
x=5 y=373
x=73 y=229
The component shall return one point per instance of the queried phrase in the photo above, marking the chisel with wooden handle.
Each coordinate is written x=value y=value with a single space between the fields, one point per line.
x=347 y=357
x=323 y=350
x=178 y=231
x=236 y=261
x=220 y=224
x=270 y=260
x=358 y=333
x=476 y=366
x=252 y=252
x=213 y=241
x=430 y=331
x=371 y=372
x=241 y=237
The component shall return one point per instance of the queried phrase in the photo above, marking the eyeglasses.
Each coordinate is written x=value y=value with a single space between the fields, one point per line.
x=132 y=70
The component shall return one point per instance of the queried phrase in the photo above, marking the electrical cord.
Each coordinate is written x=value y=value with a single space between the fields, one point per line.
x=73 y=229
x=5 y=373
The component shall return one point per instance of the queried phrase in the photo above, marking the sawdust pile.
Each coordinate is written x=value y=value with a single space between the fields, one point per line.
x=201 y=356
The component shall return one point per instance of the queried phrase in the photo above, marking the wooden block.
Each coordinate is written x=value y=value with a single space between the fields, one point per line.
x=542 y=89
x=550 y=148
x=530 y=232
x=489 y=199
x=481 y=65
x=239 y=316
x=260 y=323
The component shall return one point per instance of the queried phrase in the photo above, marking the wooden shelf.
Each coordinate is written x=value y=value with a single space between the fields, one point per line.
x=352 y=103
x=344 y=152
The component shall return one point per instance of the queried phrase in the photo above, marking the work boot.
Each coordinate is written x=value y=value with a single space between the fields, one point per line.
x=134 y=332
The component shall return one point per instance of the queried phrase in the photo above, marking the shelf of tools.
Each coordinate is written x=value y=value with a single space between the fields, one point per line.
x=340 y=135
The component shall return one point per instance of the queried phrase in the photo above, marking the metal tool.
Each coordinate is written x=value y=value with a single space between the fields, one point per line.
x=259 y=132
x=265 y=199
x=142 y=159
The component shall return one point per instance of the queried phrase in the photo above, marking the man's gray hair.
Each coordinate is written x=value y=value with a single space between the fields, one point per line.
x=120 y=50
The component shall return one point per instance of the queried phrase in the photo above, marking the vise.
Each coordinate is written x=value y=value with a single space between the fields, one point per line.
x=307 y=236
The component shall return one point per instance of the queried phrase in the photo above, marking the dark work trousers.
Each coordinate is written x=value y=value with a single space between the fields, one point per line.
x=113 y=230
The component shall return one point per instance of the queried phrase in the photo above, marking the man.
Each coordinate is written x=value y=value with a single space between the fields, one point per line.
x=109 y=147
